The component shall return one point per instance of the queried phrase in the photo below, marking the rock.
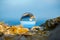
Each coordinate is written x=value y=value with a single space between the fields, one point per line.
x=51 y=23
x=55 y=34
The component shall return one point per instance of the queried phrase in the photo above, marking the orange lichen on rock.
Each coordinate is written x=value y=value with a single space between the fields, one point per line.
x=22 y=30
x=3 y=28
x=19 y=29
x=16 y=30
x=11 y=30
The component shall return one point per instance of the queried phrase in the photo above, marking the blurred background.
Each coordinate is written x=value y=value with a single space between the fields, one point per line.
x=12 y=10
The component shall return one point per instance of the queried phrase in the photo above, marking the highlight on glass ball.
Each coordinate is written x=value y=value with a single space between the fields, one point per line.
x=28 y=20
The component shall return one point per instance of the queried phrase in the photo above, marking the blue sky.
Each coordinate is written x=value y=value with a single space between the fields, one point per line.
x=14 y=9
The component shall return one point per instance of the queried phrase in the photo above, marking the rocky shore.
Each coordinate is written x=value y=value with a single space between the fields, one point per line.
x=46 y=31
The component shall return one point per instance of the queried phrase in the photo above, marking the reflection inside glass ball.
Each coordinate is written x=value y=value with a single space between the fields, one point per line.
x=28 y=20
